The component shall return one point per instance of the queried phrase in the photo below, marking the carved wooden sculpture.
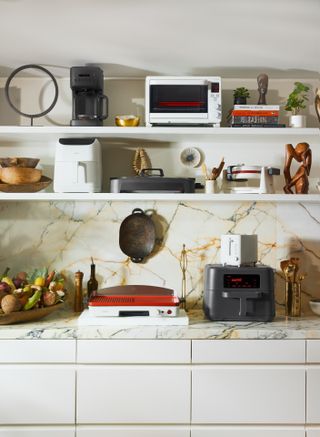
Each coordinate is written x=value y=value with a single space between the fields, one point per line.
x=262 y=80
x=301 y=153
x=317 y=103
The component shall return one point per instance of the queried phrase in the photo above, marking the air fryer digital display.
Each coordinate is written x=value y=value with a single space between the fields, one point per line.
x=241 y=281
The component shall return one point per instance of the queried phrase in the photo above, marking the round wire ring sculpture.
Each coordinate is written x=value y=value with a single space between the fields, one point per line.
x=38 y=67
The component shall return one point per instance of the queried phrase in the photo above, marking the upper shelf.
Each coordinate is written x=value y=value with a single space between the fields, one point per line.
x=165 y=134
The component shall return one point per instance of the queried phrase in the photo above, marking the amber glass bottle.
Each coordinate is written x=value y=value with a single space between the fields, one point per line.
x=92 y=284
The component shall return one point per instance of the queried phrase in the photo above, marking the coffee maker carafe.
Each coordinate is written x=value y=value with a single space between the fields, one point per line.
x=89 y=104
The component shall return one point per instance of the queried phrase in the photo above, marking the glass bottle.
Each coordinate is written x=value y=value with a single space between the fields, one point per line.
x=92 y=284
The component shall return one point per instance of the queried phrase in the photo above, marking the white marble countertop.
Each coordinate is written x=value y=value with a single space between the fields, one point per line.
x=63 y=325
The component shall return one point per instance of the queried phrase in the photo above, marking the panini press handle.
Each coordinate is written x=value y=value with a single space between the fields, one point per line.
x=243 y=298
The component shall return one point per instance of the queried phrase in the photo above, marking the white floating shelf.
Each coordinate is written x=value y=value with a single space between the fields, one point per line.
x=165 y=197
x=165 y=134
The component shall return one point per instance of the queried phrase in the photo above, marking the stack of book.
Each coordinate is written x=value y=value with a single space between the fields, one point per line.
x=255 y=116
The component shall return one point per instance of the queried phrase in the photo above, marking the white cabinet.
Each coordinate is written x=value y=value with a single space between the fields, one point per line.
x=133 y=394
x=248 y=431
x=37 y=431
x=32 y=394
x=313 y=394
x=248 y=394
x=134 y=431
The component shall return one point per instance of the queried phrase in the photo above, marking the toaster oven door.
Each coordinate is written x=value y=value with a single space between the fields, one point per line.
x=178 y=99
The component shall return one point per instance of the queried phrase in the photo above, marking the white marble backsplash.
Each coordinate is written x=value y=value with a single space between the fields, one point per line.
x=64 y=236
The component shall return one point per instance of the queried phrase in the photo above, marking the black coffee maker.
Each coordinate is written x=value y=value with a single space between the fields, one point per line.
x=89 y=104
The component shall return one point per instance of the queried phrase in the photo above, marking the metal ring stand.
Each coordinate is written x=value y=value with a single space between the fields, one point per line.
x=38 y=67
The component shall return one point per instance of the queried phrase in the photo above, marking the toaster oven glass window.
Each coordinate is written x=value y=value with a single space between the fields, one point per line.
x=241 y=281
x=179 y=98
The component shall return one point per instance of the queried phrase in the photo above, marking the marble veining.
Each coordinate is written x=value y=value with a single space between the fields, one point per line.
x=64 y=236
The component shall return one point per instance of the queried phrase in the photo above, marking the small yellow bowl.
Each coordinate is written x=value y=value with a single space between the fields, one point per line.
x=127 y=120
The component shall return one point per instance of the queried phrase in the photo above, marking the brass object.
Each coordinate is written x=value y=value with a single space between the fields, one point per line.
x=301 y=153
x=183 y=266
x=78 y=292
x=290 y=269
x=127 y=120
x=141 y=161
x=293 y=299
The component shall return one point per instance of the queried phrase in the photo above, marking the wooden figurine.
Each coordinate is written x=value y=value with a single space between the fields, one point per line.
x=317 y=103
x=301 y=153
x=262 y=80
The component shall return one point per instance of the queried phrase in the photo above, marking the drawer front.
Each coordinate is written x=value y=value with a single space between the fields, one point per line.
x=37 y=431
x=37 y=351
x=248 y=351
x=313 y=395
x=248 y=431
x=134 y=351
x=132 y=431
x=34 y=395
x=314 y=432
x=313 y=351
x=133 y=394
x=248 y=394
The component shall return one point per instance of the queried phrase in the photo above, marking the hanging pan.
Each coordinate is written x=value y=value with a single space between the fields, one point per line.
x=137 y=235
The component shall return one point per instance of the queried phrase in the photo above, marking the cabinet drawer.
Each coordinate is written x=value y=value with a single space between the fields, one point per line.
x=37 y=351
x=134 y=351
x=34 y=395
x=313 y=432
x=313 y=351
x=37 y=431
x=248 y=431
x=248 y=394
x=133 y=431
x=313 y=395
x=133 y=394
x=248 y=351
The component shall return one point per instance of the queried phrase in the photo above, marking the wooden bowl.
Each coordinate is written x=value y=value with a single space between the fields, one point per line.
x=28 y=316
x=26 y=188
x=20 y=175
x=127 y=120
x=19 y=162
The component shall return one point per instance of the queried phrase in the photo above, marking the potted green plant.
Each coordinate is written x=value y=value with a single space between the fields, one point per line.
x=295 y=103
x=240 y=96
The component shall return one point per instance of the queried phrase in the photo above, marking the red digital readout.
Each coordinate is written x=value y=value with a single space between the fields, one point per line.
x=236 y=279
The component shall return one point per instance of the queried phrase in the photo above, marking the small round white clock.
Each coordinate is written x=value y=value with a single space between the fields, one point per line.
x=191 y=157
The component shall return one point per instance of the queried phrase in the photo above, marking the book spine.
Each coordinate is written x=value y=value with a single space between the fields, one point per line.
x=255 y=119
x=257 y=125
x=258 y=107
x=240 y=112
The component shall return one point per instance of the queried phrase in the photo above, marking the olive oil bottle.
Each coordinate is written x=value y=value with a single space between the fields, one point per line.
x=92 y=284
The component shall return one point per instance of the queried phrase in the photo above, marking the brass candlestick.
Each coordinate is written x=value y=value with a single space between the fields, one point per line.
x=183 y=266
x=290 y=269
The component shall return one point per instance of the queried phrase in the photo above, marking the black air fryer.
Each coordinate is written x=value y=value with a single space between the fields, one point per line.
x=239 y=293
x=89 y=104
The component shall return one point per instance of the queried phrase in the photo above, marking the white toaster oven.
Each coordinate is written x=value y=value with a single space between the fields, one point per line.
x=180 y=101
